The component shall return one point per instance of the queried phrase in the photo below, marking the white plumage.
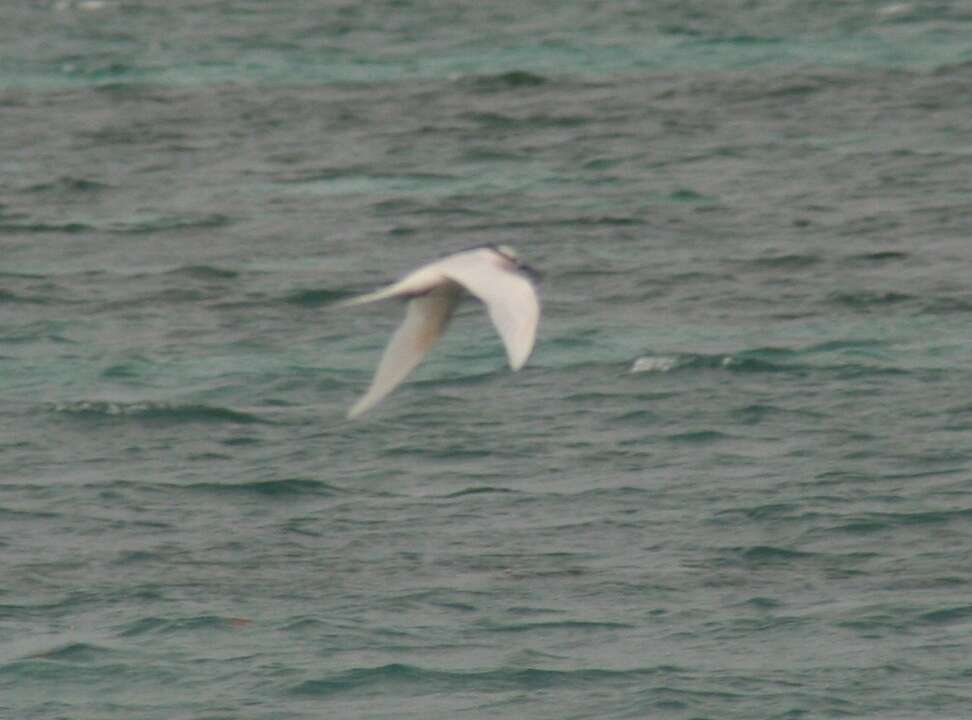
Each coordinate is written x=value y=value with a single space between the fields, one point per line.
x=492 y=274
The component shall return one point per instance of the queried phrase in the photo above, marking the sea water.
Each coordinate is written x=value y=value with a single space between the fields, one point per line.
x=733 y=481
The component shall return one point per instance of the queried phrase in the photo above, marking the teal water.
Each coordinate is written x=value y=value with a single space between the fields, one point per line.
x=733 y=481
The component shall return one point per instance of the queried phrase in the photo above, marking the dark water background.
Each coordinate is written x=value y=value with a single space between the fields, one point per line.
x=734 y=480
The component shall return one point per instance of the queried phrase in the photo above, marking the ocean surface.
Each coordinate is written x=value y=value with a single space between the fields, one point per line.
x=734 y=480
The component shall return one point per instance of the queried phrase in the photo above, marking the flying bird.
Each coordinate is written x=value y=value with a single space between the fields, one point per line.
x=492 y=273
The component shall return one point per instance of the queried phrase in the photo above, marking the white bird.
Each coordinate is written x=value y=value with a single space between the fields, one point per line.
x=491 y=273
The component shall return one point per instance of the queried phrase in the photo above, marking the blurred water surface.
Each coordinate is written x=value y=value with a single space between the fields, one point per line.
x=734 y=480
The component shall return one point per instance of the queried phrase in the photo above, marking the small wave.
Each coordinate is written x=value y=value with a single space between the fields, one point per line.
x=566 y=625
x=7 y=274
x=14 y=299
x=9 y=515
x=82 y=5
x=792 y=261
x=778 y=360
x=481 y=490
x=205 y=272
x=608 y=220
x=422 y=680
x=315 y=298
x=866 y=299
x=654 y=363
x=690 y=195
x=947 y=616
x=138 y=226
x=948 y=305
x=887 y=520
x=570 y=221
x=164 y=412
x=133 y=367
x=165 y=223
x=68 y=185
x=285 y=488
x=879 y=258
x=172 y=626
x=512 y=80
x=68 y=228
x=770 y=511
x=77 y=652
x=455 y=452
x=492 y=120
x=698 y=437
x=760 y=602
x=857 y=346
x=756 y=556
x=756 y=360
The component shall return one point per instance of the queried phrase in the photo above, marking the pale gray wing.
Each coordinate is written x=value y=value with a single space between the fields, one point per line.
x=415 y=283
x=509 y=296
x=426 y=318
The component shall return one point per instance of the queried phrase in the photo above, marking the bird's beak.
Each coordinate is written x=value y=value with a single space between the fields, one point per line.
x=530 y=272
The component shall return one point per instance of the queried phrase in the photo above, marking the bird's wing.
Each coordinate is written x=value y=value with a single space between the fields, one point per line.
x=426 y=318
x=421 y=281
x=509 y=296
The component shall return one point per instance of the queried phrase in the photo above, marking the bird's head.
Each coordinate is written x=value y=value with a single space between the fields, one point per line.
x=510 y=255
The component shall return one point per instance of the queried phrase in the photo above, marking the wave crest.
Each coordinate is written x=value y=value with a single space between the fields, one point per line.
x=155 y=411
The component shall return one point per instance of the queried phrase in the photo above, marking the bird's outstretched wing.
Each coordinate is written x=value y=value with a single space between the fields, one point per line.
x=426 y=318
x=509 y=296
x=416 y=283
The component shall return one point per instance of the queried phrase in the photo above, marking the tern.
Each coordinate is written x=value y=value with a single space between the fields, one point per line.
x=492 y=273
